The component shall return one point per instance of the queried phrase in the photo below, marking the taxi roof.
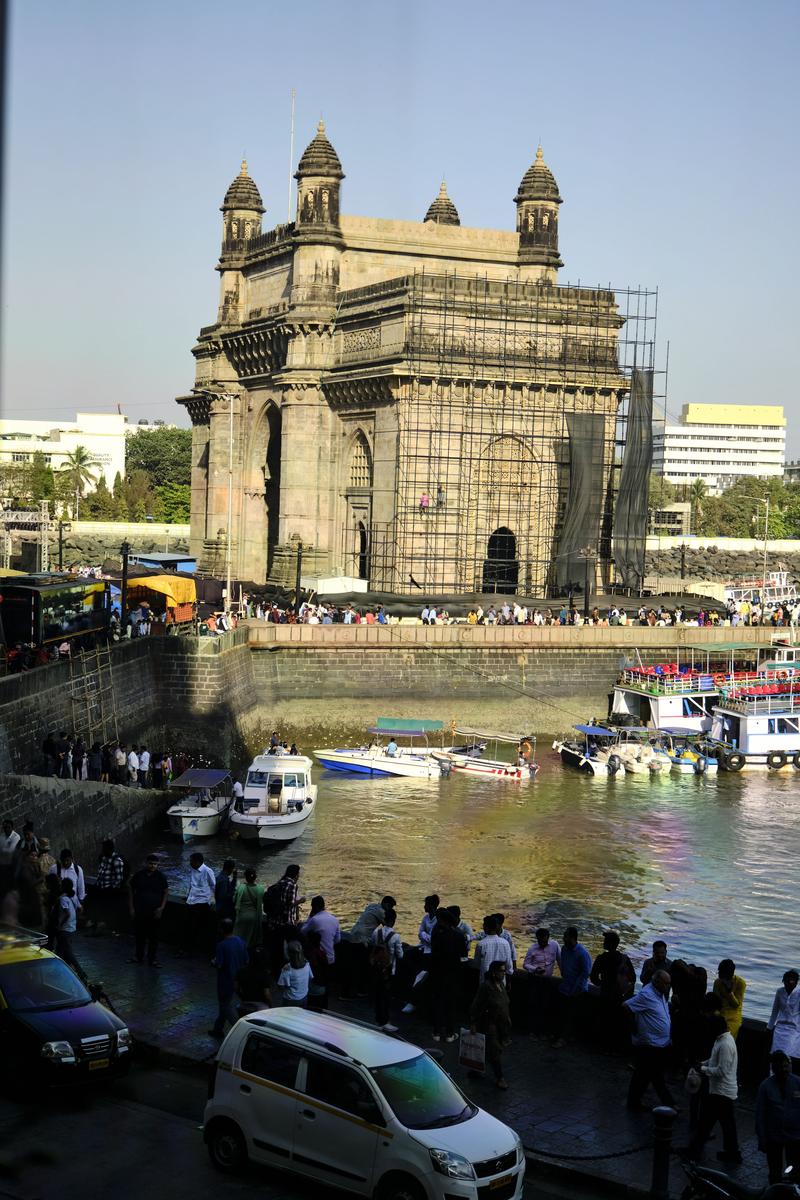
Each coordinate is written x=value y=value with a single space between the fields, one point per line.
x=351 y=1039
x=17 y=953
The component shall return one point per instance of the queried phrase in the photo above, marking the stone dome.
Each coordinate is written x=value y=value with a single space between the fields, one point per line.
x=243 y=193
x=320 y=158
x=538 y=182
x=443 y=211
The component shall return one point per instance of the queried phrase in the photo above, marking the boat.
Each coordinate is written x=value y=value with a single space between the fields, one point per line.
x=594 y=753
x=688 y=753
x=640 y=752
x=757 y=724
x=277 y=800
x=463 y=761
x=384 y=757
x=205 y=808
x=680 y=695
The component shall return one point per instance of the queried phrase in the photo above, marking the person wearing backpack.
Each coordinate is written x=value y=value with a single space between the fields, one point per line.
x=385 y=952
x=281 y=915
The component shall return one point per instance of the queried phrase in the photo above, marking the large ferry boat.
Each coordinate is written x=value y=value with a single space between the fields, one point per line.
x=757 y=723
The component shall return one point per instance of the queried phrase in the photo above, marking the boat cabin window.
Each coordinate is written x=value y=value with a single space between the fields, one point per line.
x=256 y=778
x=782 y=725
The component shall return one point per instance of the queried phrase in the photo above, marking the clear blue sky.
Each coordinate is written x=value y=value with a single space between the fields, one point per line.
x=671 y=128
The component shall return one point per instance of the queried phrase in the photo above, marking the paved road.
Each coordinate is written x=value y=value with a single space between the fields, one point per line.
x=138 y=1138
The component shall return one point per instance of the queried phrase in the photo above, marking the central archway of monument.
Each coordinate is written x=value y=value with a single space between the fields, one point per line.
x=501 y=566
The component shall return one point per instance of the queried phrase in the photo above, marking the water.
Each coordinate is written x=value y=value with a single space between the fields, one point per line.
x=710 y=865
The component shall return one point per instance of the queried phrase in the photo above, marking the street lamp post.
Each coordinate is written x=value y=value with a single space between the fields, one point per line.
x=587 y=554
x=765 y=501
x=63 y=527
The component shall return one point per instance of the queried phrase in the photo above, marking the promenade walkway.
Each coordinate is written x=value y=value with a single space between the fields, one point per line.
x=568 y=1106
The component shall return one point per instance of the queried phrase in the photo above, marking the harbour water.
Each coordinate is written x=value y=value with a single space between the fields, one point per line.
x=709 y=864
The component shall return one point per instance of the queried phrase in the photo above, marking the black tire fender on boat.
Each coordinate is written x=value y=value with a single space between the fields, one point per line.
x=734 y=761
x=796 y=761
x=700 y=766
x=776 y=759
x=614 y=763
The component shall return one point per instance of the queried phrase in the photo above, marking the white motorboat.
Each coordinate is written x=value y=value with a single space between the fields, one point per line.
x=594 y=753
x=522 y=769
x=278 y=798
x=203 y=811
x=383 y=755
x=688 y=754
x=757 y=724
x=641 y=753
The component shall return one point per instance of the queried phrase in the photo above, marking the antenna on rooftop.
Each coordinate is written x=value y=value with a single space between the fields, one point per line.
x=291 y=161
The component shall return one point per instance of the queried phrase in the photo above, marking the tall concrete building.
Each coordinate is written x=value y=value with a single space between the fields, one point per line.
x=720 y=443
x=101 y=434
x=419 y=403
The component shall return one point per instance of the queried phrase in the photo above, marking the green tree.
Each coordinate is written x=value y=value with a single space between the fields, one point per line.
x=660 y=492
x=164 y=454
x=42 y=479
x=80 y=468
x=176 y=502
x=99 y=504
x=697 y=495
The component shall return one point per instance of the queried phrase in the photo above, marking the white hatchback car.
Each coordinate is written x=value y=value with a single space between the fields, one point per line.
x=338 y=1101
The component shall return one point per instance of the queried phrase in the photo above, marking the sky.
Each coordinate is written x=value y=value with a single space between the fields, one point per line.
x=671 y=129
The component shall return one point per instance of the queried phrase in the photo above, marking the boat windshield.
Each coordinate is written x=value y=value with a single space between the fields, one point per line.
x=257 y=778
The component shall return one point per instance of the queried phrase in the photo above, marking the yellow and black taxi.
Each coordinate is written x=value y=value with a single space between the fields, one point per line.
x=51 y=1027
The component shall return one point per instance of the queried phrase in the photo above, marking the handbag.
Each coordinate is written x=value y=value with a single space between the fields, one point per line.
x=472 y=1050
x=693 y=1081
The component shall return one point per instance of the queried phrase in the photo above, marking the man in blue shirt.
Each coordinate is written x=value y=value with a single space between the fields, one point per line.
x=651 y=1041
x=230 y=958
x=575 y=965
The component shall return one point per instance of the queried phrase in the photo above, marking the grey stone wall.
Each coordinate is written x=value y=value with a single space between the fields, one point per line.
x=79 y=815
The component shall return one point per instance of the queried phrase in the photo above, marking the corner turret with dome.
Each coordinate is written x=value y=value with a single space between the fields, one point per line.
x=319 y=175
x=242 y=208
x=442 y=211
x=537 y=202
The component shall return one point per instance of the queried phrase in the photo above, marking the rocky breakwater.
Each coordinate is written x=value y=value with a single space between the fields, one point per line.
x=718 y=564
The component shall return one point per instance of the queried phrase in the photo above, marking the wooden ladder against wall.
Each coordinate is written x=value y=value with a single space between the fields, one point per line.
x=94 y=705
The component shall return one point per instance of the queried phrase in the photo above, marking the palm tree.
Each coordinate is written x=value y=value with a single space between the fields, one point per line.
x=78 y=467
x=697 y=494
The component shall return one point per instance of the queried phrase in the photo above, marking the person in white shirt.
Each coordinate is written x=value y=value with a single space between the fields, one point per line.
x=199 y=903
x=718 y=1105
x=238 y=790
x=133 y=767
x=67 y=868
x=295 y=978
x=492 y=948
x=326 y=925
x=144 y=766
x=499 y=919
x=8 y=843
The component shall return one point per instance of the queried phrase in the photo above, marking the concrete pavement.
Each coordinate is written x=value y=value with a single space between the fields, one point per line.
x=568 y=1106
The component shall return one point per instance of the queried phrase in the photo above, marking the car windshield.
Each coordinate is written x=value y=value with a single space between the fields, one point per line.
x=41 y=984
x=421 y=1095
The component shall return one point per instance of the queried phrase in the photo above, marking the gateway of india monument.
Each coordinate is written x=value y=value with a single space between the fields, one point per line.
x=420 y=404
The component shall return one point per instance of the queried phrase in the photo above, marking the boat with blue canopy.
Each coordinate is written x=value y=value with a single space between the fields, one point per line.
x=593 y=752
x=397 y=747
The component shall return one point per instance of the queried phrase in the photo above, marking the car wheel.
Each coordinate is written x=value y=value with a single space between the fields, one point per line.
x=399 y=1187
x=226 y=1147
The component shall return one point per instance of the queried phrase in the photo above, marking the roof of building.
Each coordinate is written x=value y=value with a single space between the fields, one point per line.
x=243 y=193
x=538 y=182
x=319 y=157
x=443 y=211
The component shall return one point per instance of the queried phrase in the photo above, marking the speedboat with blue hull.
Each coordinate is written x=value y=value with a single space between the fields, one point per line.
x=385 y=756
x=688 y=754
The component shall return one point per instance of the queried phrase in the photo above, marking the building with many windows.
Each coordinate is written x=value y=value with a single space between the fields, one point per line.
x=721 y=443
x=101 y=434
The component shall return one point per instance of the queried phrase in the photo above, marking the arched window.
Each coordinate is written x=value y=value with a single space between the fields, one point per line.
x=360 y=464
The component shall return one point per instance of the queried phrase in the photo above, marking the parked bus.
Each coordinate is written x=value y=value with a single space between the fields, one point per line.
x=43 y=610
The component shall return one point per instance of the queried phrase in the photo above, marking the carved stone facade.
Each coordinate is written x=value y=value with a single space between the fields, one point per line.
x=392 y=394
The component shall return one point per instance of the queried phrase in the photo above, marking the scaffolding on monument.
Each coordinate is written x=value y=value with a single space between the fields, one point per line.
x=505 y=379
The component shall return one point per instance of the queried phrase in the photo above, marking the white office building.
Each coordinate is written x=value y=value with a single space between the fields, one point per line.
x=720 y=443
x=101 y=434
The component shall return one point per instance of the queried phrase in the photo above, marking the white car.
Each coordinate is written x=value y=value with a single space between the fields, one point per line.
x=336 y=1100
